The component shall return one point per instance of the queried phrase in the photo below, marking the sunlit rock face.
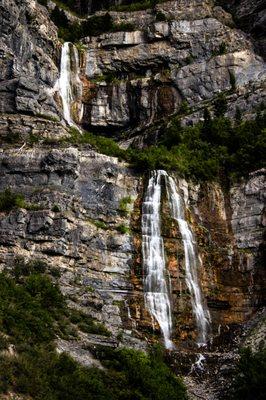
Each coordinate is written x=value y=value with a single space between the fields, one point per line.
x=146 y=74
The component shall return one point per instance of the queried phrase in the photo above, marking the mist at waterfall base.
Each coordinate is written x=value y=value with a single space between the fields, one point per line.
x=157 y=283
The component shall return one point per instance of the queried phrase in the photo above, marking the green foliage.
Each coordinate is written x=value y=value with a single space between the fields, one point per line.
x=93 y=26
x=21 y=268
x=160 y=16
x=86 y=324
x=232 y=80
x=220 y=105
x=100 y=224
x=43 y=2
x=26 y=312
x=136 y=6
x=56 y=208
x=123 y=205
x=10 y=200
x=250 y=383
x=206 y=151
x=144 y=376
x=101 y=143
x=222 y=49
x=131 y=375
x=32 y=313
x=184 y=108
x=123 y=26
x=123 y=229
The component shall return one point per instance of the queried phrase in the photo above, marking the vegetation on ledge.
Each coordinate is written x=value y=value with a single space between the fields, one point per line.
x=250 y=383
x=33 y=313
x=208 y=151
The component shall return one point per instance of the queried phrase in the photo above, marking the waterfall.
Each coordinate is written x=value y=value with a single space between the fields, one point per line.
x=67 y=79
x=78 y=82
x=156 y=291
x=65 y=82
x=157 y=285
x=191 y=262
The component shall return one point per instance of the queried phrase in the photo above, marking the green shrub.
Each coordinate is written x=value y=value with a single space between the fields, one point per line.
x=21 y=268
x=123 y=229
x=123 y=205
x=160 y=16
x=56 y=208
x=184 y=108
x=26 y=311
x=100 y=224
x=135 y=6
x=250 y=383
x=10 y=200
x=208 y=151
x=86 y=323
x=32 y=313
x=232 y=80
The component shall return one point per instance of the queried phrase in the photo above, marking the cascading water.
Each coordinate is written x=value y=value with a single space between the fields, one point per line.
x=156 y=292
x=201 y=313
x=65 y=82
x=78 y=82
x=67 y=79
x=156 y=286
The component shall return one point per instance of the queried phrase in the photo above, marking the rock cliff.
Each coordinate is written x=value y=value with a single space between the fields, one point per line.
x=79 y=223
x=82 y=210
x=193 y=53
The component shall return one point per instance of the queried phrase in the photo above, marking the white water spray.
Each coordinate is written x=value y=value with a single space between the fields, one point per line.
x=66 y=80
x=201 y=313
x=156 y=290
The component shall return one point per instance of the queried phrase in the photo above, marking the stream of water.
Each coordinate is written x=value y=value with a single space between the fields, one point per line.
x=157 y=284
x=156 y=289
x=65 y=89
x=199 y=309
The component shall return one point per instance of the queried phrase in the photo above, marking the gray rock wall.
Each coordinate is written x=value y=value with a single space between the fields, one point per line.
x=29 y=48
x=143 y=76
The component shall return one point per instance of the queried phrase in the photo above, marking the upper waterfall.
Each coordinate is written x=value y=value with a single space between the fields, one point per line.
x=156 y=290
x=67 y=80
x=65 y=89
x=201 y=313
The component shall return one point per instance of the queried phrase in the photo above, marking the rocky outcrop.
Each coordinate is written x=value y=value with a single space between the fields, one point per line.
x=191 y=55
x=73 y=221
x=29 y=50
x=250 y=16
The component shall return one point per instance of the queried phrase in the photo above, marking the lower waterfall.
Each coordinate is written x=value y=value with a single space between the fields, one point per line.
x=201 y=313
x=156 y=289
x=157 y=284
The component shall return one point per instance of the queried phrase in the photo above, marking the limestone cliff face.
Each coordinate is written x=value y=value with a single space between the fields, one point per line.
x=77 y=228
x=193 y=54
x=29 y=47
x=83 y=209
x=183 y=52
x=29 y=50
